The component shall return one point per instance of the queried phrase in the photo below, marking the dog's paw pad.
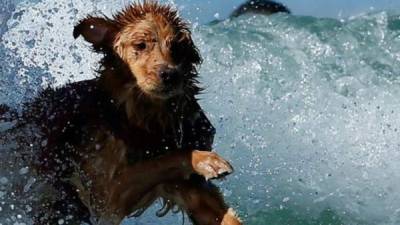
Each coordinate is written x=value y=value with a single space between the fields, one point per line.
x=210 y=165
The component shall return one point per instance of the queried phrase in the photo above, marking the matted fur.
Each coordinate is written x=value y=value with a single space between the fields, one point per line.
x=116 y=143
x=115 y=74
x=138 y=11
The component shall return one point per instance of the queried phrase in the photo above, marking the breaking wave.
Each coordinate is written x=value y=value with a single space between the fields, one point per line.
x=307 y=109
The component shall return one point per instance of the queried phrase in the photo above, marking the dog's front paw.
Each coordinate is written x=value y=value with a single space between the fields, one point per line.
x=210 y=165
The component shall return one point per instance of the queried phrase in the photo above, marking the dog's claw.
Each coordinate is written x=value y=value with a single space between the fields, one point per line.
x=210 y=165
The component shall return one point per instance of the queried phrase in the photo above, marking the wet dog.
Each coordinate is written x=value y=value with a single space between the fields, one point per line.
x=111 y=146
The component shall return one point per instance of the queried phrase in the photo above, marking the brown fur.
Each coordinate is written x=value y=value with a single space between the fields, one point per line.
x=159 y=27
x=116 y=143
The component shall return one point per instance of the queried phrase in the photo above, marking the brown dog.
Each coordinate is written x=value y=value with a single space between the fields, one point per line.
x=112 y=145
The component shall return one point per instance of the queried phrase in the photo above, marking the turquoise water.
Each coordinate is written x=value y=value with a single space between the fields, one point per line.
x=306 y=109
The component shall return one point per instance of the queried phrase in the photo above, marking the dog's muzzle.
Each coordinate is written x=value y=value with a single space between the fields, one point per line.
x=170 y=77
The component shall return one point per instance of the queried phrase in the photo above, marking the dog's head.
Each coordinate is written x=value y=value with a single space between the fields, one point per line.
x=152 y=41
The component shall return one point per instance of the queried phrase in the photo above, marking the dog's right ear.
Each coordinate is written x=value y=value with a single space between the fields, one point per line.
x=98 y=31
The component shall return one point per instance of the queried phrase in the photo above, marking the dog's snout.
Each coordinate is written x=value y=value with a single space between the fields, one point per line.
x=169 y=75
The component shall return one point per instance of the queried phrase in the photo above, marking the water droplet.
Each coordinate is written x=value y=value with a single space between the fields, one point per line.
x=3 y=180
x=23 y=170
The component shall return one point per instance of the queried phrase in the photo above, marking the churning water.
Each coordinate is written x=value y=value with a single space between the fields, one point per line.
x=307 y=109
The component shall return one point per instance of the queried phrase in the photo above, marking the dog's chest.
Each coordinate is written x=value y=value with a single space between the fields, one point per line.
x=105 y=154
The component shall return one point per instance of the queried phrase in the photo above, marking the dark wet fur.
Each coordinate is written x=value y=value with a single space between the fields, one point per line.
x=63 y=118
x=61 y=113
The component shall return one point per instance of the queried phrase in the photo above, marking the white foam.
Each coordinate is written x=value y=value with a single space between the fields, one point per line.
x=302 y=118
x=306 y=110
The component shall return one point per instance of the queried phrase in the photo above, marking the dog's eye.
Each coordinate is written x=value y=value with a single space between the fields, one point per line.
x=141 y=46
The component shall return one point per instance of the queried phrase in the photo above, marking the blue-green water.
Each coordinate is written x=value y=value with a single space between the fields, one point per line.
x=306 y=109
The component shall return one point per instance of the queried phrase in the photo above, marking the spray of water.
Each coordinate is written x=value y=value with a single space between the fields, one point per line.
x=306 y=109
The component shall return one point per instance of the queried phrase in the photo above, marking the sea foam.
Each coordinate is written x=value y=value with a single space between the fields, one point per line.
x=306 y=109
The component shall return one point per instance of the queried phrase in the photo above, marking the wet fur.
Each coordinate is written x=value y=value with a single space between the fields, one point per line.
x=142 y=109
x=112 y=145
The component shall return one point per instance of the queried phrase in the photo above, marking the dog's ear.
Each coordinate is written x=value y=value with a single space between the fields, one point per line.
x=190 y=51
x=98 y=31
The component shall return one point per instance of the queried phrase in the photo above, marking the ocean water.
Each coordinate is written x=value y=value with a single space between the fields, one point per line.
x=306 y=109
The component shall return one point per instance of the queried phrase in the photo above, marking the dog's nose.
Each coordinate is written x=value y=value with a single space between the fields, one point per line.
x=169 y=76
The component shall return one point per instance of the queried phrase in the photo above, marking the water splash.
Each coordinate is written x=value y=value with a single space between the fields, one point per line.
x=308 y=111
x=305 y=108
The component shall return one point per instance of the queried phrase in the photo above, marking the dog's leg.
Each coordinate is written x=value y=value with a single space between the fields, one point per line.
x=201 y=200
x=129 y=188
x=210 y=165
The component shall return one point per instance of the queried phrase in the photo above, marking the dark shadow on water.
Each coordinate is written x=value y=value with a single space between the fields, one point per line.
x=265 y=7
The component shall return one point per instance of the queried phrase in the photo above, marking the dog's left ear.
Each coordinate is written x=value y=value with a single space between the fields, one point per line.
x=98 y=31
x=185 y=46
